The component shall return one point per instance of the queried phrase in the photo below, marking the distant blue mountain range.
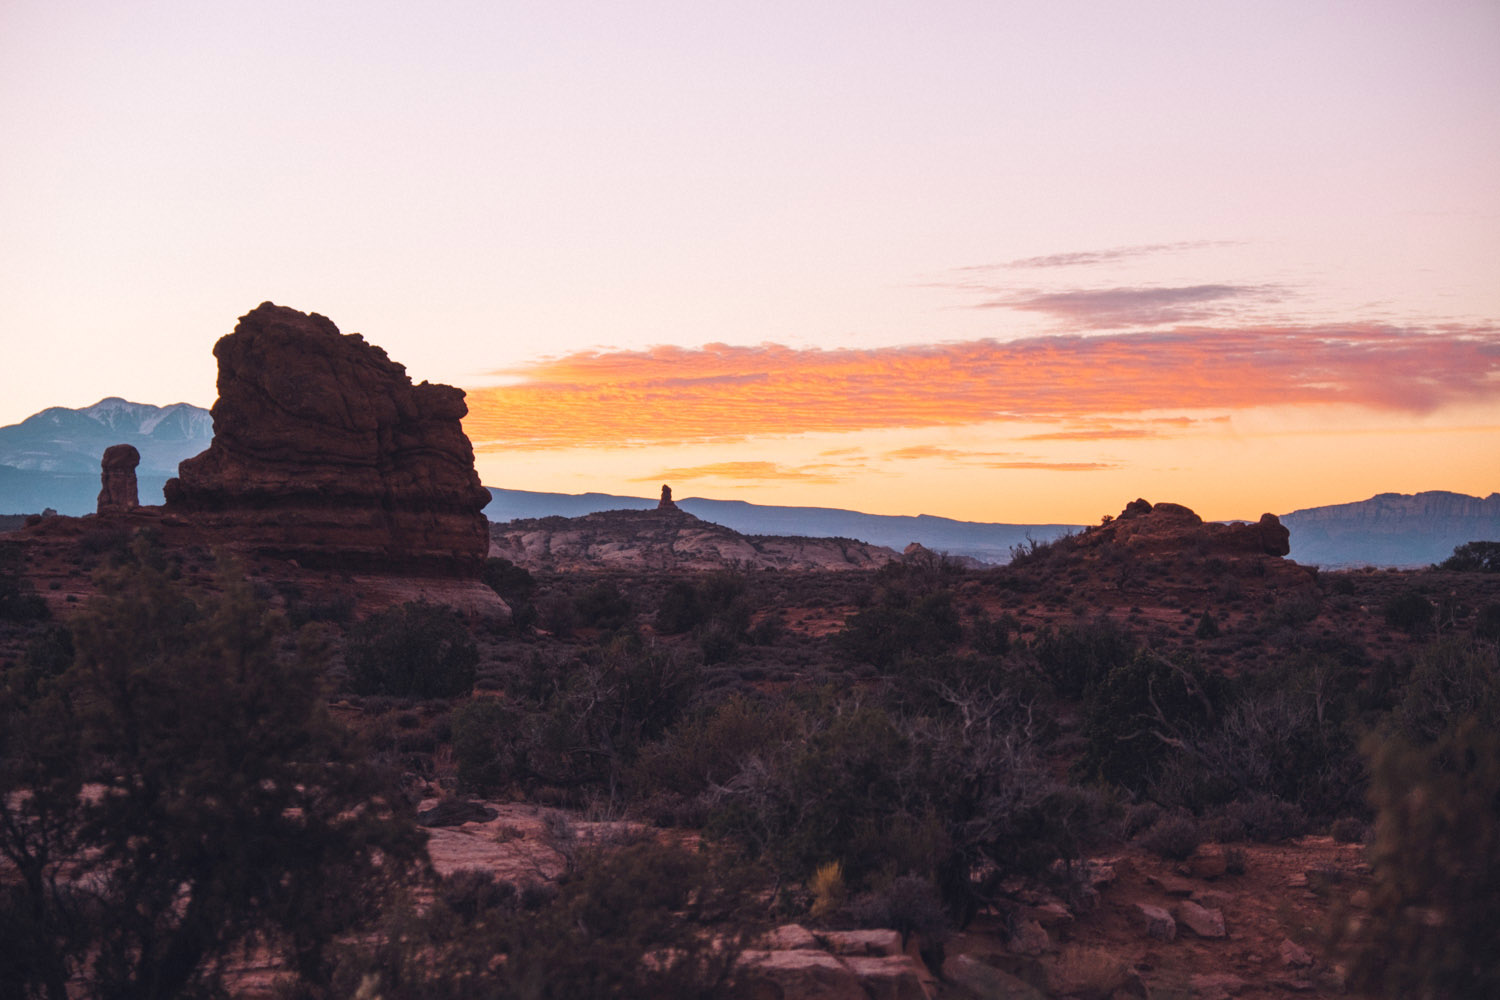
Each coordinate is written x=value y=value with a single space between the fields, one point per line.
x=51 y=459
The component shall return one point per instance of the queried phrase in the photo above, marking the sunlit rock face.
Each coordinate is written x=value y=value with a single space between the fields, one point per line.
x=326 y=453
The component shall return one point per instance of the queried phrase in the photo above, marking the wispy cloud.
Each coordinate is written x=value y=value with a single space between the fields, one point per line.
x=1132 y=307
x=718 y=393
x=1083 y=258
x=750 y=472
x=1055 y=466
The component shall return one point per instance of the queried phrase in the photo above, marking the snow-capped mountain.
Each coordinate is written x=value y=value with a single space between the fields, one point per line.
x=51 y=459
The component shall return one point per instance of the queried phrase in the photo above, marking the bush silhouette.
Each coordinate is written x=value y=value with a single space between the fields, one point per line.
x=183 y=778
x=1434 y=925
x=417 y=650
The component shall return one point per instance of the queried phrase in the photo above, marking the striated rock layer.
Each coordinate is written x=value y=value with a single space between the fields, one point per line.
x=325 y=452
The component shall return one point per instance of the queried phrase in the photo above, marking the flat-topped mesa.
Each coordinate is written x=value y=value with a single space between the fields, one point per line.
x=325 y=452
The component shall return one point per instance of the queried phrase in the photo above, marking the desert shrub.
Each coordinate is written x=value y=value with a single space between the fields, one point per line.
x=907 y=904
x=827 y=889
x=1175 y=836
x=602 y=606
x=681 y=610
x=645 y=920
x=1474 y=557
x=1139 y=816
x=1208 y=626
x=1410 y=612
x=1450 y=679
x=1487 y=622
x=1135 y=714
x=518 y=588
x=901 y=624
x=1267 y=819
x=417 y=650
x=1348 y=830
x=18 y=602
x=708 y=750
x=1272 y=744
x=992 y=636
x=1434 y=919
x=1076 y=659
x=574 y=724
x=185 y=769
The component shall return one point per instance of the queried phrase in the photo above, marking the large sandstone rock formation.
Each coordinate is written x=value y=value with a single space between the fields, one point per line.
x=117 y=486
x=326 y=453
x=1163 y=525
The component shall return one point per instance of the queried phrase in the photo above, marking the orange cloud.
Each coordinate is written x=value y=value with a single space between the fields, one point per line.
x=746 y=472
x=719 y=393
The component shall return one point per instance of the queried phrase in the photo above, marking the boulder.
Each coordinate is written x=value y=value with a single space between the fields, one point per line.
x=1202 y=921
x=1293 y=954
x=117 y=487
x=1156 y=922
x=324 y=452
x=1030 y=938
x=980 y=979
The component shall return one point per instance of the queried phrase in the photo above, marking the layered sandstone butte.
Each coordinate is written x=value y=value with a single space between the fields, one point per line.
x=326 y=453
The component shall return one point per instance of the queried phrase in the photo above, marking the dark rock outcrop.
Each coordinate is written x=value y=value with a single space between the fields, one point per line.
x=325 y=452
x=666 y=499
x=1169 y=525
x=117 y=487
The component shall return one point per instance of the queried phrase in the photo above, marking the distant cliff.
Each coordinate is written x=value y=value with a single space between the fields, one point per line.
x=1392 y=529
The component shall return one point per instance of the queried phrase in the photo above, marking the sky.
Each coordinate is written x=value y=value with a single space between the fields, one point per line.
x=1018 y=261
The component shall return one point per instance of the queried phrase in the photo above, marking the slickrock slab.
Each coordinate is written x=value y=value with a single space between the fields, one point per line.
x=790 y=937
x=891 y=977
x=867 y=942
x=803 y=974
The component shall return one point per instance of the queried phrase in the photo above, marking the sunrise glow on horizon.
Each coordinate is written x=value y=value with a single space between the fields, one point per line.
x=1019 y=262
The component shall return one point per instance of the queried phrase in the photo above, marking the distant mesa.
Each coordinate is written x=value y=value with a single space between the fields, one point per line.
x=117 y=488
x=324 y=452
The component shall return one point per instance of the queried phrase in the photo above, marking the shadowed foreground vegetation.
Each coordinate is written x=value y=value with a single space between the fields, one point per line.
x=910 y=748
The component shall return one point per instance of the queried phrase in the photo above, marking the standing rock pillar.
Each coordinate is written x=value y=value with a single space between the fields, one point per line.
x=117 y=491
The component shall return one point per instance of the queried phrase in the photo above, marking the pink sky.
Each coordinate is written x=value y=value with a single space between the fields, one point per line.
x=1017 y=261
